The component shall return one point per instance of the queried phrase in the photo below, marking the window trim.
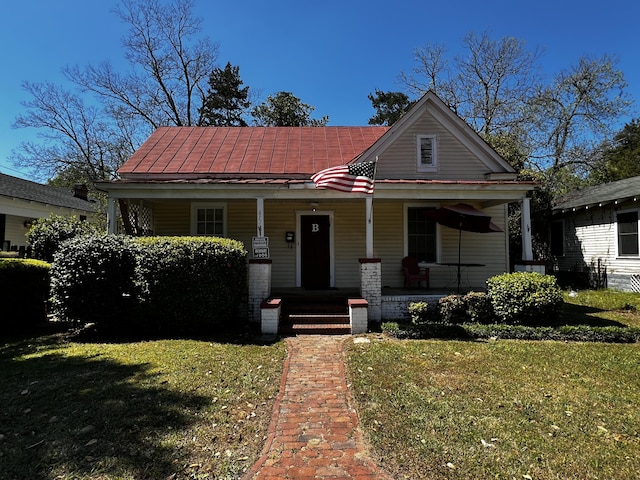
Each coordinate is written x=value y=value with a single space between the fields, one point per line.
x=405 y=231
x=628 y=255
x=434 y=154
x=195 y=206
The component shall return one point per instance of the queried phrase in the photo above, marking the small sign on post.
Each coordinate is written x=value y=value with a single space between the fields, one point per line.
x=260 y=247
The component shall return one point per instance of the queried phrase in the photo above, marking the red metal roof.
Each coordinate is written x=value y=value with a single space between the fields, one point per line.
x=189 y=151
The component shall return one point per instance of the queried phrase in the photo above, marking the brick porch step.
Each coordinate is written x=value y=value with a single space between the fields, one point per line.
x=325 y=324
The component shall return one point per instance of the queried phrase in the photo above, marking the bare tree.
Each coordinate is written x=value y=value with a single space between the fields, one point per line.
x=170 y=66
x=74 y=136
x=486 y=85
x=89 y=139
x=577 y=113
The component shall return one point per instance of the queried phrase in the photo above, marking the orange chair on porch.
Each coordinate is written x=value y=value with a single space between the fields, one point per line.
x=413 y=273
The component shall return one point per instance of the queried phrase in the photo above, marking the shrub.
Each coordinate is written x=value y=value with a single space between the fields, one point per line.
x=390 y=328
x=478 y=307
x=92 y=280
x=24 y=293
x=524 y=297
x=422 y=312
x=47 y=234
x=190 y=284
x=580 y=333
x=453 y=309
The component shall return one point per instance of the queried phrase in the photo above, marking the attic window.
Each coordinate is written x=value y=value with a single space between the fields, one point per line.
x=427 y=153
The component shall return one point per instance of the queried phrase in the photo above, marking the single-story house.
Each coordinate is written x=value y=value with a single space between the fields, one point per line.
x=594 y=236
x=255 y=184
x=22 y=201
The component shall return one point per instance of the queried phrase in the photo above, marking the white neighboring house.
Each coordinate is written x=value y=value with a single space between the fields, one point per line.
x=22 y=201
x=595 y=236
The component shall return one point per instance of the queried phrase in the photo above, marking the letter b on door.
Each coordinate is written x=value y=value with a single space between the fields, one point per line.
x=315 y=227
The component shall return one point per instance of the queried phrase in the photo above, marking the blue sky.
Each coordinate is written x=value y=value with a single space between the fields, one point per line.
x=330 y=54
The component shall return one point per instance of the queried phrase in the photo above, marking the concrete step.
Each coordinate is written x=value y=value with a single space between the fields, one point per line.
x=315 y=329
x=311 y=318
x=319 y=324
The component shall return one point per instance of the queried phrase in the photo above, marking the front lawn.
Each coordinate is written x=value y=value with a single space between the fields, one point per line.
x=499 y=409
x=145 y=410
x=444 y=409
x=601 y=308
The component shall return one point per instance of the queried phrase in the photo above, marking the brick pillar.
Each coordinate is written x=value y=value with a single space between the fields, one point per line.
x=358 y=315
x=270 y=311
x=259 y=286
x=371 y=286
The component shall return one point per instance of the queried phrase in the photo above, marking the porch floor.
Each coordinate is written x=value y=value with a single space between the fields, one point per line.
x=354 y=292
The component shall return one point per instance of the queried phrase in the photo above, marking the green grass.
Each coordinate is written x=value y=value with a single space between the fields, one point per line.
x=549 y=410
x=140 y=410
x=178 y=409
x=602 y=308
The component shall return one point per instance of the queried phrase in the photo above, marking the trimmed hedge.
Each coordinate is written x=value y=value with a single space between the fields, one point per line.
x=92 y=280
x=190 y=284
x=24 y=293
x=525 y=298
x=159 y=285
x=453 y=310
x=566 y=333
x=423 y=312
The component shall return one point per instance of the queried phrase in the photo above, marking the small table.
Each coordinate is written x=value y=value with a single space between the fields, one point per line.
x=460 y=267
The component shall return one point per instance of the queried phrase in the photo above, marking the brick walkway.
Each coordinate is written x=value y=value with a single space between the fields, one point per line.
x=314 y=432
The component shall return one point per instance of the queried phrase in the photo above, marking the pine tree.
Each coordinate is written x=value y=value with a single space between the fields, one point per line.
x=226 y=99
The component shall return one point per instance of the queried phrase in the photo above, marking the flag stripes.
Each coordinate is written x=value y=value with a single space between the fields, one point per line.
x=354 y=178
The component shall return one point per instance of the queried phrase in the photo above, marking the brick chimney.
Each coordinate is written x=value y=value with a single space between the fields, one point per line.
x=81 y=191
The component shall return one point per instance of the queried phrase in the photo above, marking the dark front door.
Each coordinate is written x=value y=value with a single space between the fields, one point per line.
x=315 y=268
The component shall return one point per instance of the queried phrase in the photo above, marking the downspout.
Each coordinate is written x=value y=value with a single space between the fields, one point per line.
x=525 y=219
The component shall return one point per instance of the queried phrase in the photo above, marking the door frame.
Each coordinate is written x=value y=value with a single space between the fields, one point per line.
x=299 y=214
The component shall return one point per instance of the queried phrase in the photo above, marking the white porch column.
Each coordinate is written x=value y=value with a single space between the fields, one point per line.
x=260 y=216
x=369 y=226
x=111 y=216
x=525 y=219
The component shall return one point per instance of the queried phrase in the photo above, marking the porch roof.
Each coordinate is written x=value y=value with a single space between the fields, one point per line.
x=484 y=192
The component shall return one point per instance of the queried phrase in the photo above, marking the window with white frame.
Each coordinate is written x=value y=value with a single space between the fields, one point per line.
x=628 y=233
x=427 y=153
x=209 y=219
x=422 y=238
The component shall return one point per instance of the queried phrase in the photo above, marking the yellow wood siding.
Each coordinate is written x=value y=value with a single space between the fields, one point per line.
x=455 y=161
x=279 y=218
x=172 y=218
x=348 y=234
x=489 y=249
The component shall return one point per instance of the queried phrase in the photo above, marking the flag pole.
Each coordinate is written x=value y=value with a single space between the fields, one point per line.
x=369 y=210
x=375 y=167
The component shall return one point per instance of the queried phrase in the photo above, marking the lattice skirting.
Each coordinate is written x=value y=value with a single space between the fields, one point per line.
x=634 y=281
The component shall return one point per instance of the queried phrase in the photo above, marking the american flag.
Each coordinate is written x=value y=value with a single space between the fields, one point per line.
x=357 y=177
